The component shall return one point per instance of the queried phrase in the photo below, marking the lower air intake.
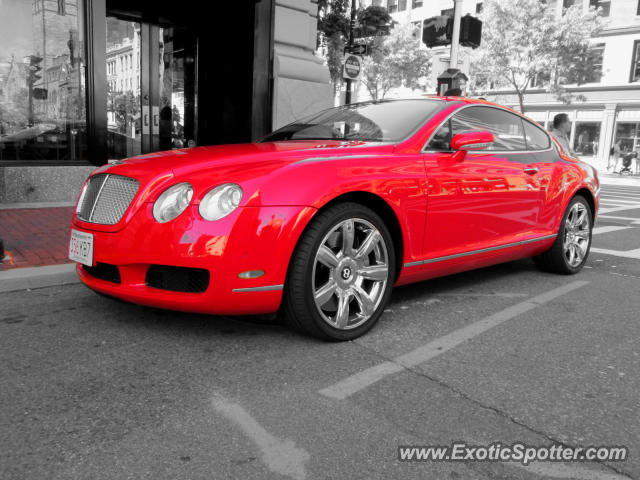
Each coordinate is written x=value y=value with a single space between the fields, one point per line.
x=178 y=279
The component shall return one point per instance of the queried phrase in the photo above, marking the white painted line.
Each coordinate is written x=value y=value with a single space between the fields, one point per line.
x=365 y=378
x=617 y=209
x=280 y=456
x=571 y=471
x=608 y=229
x=635 y=254
x=629 y=196
x=634 y=220
x=620 y=202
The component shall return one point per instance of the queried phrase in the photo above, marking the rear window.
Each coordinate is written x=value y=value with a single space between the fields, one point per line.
x=536 y=138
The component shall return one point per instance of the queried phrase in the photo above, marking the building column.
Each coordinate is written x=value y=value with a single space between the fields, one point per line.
x=573 y=116
x=607 y=131
x=301 y=81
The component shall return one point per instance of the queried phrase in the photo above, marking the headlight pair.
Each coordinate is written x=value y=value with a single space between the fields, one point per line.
x=216 y=204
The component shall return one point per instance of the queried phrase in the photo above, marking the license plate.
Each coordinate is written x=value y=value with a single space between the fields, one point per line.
x=81 y=247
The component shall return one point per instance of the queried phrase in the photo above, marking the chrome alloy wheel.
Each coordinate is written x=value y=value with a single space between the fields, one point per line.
x=577 y=234
x=350 y=273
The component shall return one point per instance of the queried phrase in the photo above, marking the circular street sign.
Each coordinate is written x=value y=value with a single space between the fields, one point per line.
x=352 y=66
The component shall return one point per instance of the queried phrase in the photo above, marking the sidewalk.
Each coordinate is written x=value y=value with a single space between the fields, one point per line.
x=616 y=179
x=34 y=237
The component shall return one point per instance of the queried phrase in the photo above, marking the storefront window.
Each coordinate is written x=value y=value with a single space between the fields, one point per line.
x=42 y=81
x=628 y=134
x=587 y=138
x=635 y=66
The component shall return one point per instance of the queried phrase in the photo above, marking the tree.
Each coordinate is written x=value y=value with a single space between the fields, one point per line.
x=525 y=40
x=333 y=26
x=396 y=60
x=334 y=17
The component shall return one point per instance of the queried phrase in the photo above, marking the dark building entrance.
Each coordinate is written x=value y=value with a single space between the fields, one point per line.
x=172 y=77
x=85 y=81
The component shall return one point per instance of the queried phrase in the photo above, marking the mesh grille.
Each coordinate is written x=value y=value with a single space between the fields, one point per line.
x=178 y=279
x=106 y=198
x=104 y=271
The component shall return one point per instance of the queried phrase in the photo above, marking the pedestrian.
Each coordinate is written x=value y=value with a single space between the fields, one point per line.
x=614 y=154
x=561 y=130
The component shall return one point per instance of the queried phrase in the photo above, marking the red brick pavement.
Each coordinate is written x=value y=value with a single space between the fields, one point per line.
x=35 y=236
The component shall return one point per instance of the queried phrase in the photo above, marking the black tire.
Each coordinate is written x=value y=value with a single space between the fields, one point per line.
x=555 y=260
x=299 y=306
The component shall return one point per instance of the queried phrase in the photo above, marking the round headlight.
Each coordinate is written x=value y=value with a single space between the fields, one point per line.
x=172 y=202
x=220 y=201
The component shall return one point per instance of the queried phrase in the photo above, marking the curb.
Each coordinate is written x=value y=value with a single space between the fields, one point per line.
x=38 y=277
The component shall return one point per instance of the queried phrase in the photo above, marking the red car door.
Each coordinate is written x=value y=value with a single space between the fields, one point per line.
x=488 y=199
x=547 y=173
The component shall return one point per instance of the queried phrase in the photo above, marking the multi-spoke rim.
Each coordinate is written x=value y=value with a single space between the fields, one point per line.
x=350 y=273
x=577 y=234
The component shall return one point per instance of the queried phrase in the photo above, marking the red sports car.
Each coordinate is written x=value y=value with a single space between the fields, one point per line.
x=321 y=218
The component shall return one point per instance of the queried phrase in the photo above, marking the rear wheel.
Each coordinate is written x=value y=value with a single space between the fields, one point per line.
x=570 y=250
x=341 y=274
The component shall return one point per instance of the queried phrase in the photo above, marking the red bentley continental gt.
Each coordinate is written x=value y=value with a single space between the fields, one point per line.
x=321 y=218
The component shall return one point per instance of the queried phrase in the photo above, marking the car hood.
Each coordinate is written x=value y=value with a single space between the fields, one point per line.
x=224 y=159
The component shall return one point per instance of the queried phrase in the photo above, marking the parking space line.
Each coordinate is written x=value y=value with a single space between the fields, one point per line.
x=609 y=228
x=635 y=254
x=613 y=217
x=280 y=456
x=359 y=381
x=617 y=209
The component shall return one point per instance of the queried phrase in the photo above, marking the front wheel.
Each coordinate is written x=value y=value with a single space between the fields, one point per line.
x=570 y=250
x=341 y=274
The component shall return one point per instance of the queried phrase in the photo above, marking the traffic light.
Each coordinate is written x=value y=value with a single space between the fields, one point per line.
x=437 y=31
x=470 y=31
x=34 y=68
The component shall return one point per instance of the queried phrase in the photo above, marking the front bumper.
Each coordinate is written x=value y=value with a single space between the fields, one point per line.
x=251 y=238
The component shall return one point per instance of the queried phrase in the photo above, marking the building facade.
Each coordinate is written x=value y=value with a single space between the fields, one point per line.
x=83 y=82
x=610 y=112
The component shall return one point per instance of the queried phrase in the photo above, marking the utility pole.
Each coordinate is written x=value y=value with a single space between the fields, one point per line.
x=352 y=24
x=455 y=35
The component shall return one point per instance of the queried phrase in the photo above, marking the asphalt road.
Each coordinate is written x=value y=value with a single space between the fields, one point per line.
x=92 y=388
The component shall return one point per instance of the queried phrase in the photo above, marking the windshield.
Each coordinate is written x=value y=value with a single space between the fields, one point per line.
x=386 y=121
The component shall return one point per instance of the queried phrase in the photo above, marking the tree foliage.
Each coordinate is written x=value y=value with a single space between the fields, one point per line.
x=525 y=40
x=334 y=17
x=396 y=60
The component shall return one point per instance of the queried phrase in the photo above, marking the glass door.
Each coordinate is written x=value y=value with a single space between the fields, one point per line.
x=124 y=103
x=151 y=88
x=177 y=89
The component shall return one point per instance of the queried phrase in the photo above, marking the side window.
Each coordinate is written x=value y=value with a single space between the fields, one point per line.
x=441 y=140
x=506 y=127
x=536 y=138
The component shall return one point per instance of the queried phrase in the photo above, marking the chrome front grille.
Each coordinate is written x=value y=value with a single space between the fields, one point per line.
x=106 y=198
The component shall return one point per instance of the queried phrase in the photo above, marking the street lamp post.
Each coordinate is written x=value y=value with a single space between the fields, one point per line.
x=347 y=98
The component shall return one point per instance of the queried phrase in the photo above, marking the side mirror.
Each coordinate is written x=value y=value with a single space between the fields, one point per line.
x=476 y=140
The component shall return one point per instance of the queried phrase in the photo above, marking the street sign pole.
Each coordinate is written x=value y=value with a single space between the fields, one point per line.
x=347 y=98
x=455 y=35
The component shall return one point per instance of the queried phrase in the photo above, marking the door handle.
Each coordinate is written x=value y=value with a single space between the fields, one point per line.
x=531 y=170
